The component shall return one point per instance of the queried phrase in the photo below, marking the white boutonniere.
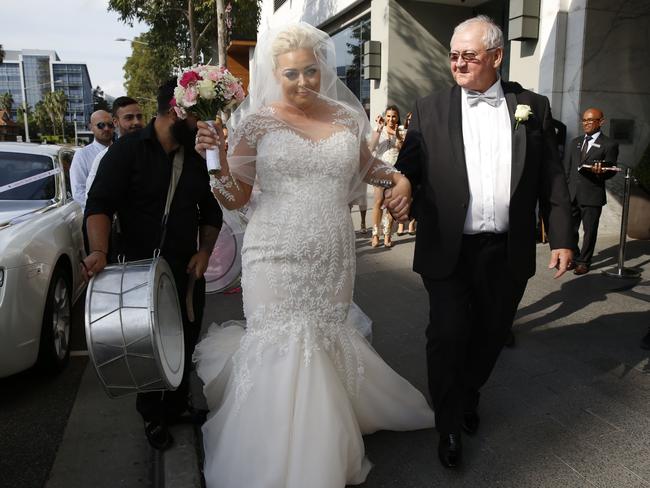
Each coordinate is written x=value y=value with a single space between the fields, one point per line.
x=522 y=113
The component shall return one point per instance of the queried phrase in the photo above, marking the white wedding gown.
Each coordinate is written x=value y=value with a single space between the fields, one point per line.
x=291 y=394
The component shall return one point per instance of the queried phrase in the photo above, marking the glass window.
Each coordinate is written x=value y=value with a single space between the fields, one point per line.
x=17 y=166
x=349 y=57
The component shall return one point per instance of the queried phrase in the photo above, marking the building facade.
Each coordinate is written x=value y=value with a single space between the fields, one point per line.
x=578 y=53
x=29 y=74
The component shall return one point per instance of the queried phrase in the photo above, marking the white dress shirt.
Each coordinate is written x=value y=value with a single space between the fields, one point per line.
x=591 y=142
x=79 y=169
x=487 y=136
x=93 y=170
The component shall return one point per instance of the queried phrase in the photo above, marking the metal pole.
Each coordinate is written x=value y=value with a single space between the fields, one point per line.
x=620 y=271
x=25 y=119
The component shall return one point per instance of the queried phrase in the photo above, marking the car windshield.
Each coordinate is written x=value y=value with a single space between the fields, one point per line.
x=16 y=167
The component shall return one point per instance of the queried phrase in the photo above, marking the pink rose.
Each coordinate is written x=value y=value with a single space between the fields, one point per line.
x=214 y=75
x=239 y=94
x=189 y=78
x=191 y=94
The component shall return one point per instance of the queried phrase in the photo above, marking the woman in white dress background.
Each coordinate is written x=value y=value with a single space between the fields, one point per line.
x=292 y=393
x=385 y=143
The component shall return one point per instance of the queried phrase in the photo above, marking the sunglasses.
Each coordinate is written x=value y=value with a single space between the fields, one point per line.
x=105 y=125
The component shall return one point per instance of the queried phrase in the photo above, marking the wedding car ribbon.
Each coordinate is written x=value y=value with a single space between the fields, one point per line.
x=30 y=179
x=473 y=97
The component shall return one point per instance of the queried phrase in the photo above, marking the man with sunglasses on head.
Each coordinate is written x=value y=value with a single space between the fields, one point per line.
x=102 y=128
x=479 y=156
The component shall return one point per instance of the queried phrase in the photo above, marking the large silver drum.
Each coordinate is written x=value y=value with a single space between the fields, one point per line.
x=134 y=328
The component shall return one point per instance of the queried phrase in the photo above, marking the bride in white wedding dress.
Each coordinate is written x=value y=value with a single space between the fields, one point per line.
x=292 y=393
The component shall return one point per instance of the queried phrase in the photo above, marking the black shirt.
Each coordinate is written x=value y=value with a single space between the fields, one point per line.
x=133 y=180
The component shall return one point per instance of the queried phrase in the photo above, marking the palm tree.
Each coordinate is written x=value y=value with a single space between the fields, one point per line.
x=6 y=102
x=56 y=105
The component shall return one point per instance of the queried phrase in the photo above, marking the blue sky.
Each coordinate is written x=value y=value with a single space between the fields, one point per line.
x=78 y=30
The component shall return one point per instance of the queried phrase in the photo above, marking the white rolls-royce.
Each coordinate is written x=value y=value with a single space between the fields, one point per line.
x=41 y=247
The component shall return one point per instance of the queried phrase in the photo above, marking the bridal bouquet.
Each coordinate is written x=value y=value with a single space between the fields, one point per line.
x=204 y=91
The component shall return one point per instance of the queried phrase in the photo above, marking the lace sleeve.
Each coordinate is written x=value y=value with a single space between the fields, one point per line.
x=375 y=171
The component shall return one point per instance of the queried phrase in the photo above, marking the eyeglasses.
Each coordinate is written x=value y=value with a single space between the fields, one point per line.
x=468 y=56
x=105 y=125
x=589 y=121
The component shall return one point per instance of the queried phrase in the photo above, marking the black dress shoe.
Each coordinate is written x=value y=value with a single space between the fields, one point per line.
x=471 y=421
x=449 y=450
x=645 y=342
x=158 y=435
x=581 y=269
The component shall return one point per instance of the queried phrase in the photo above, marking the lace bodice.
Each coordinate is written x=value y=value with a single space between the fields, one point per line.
x=298 y=254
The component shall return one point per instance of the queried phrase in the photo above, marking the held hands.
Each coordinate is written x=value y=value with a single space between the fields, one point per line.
x=94 y=263
x=209 y=138
x=198 y=264
x=397 y=200
x=560 y=259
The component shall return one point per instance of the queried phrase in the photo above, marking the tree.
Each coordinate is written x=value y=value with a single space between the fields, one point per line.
x=56 y=105
x=2 y=54
x=146 y=69
x=41 y=119
x=6 y=102
x=99 y=102
x=190 y=24
x=184 y=22
x=222 y=33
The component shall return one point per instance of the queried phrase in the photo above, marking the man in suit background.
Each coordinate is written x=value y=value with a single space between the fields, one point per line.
x=587 y=185
x=477 y=172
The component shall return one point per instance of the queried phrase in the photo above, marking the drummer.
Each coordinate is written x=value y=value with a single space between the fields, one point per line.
x=132 y=182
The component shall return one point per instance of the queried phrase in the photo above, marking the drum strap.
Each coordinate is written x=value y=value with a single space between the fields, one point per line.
x=177 y=169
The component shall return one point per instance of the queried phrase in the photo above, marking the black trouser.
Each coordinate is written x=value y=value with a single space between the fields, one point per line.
x=589 y=216
x=471 y=313
x=169 y=405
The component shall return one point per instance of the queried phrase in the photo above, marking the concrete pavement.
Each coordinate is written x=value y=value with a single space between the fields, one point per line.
x=568 y=406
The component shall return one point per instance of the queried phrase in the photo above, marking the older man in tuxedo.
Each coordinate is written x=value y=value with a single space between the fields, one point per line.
x=586 y=180
x=479 y=156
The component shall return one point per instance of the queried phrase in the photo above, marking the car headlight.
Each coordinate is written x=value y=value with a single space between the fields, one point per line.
x=2 y=277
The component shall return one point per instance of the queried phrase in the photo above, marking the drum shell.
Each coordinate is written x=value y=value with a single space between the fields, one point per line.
x=224 y=268
x=134 y=328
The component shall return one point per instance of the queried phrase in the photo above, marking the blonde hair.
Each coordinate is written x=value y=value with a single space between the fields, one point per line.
x=297 y=36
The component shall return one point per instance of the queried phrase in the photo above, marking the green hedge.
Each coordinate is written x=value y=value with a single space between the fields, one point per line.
x=642 y=170
x=52 y=139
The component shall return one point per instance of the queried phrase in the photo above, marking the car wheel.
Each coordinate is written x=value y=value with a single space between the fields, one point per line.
x=54 y=350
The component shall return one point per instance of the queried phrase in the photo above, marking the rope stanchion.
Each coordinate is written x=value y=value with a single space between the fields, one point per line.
x=620 y=271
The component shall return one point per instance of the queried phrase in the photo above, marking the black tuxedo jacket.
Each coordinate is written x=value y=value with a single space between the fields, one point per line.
x=433 y=159
x=585 y=187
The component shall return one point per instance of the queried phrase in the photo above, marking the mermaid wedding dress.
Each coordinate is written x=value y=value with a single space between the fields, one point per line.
x=292 y=393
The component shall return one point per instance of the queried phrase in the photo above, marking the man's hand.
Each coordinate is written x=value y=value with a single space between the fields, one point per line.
x=560 y=259
x=398 y=199
x=198 y=264
x=94 y=263
x=597 y=168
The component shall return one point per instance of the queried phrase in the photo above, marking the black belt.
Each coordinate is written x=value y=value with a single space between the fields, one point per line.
x=486 y=236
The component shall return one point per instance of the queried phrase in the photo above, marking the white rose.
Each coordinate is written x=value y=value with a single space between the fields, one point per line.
x=522 y=113
x=206 y=89
x=179 y=94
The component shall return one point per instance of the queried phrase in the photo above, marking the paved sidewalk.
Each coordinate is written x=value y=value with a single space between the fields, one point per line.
x=568 y=406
